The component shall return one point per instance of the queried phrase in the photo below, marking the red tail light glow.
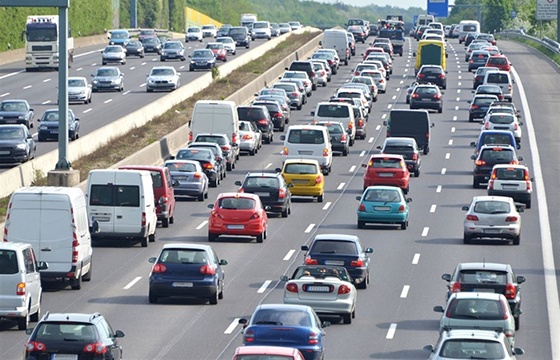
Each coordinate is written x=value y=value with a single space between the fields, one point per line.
x=207 y=270
x=319 y=179
x=401 y=209
x=343 y=289
x=510 y=291
x=190 y=136
x=159 y=268
x=247 y=137
x=437 y=96
x=277 y=114
x=456 y=287
x=97 y=348
x=474 y=107
x=362 y=207
x=263 y=121
x=21 y=289
x=357 y=263
x=291 y=287
x=143 y=219
x=207 y=166
x=343 y=137
x=480 y=162
x=472 y=217
x=35 y=346
x=255 y=216
x=310 y=261
x=512 y=219
x=197 y=175
x=313 y=338
x=281 y=193
x=326 y=152
x=285 y=151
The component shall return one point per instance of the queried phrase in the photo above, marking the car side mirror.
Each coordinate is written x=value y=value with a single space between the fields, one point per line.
x=29 y=136
x=469 y=101
x=473 y=157
x=31 y=110
x=520 y=209
x=160 y=201
x=313 y=113
x=29 y=331
x=517 y=312
x=465 y=208
x=358 y=198
x=119 y=334
x=189 y=56
x=408 y=200
x=438 y=309
x=521 y=279
x=43 y=265
x=223 y=262
x=521 y=123
x=433 y=125
x=305 y=248
x=326 y=324
x=238 y=183
x=152 y=260
x=520 y=158
x=284 y=278
x=472 y=91
x=473 y=144
x=369 y=251
x=364 y=165
x=171 y=157
x=94 y=228
x=414 y=54
x=282 y=137
x=278 y=170
x=384 y=122
x=446 y=277
x=446 y=54
x=428 y=348
x=267 y=208
x=518 y=351
x=210 y=206
x=91 y=75
x=242 y=321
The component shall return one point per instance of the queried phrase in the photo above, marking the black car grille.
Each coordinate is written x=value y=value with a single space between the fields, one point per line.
x=6 y=151
x=161 y=81
x=41 y=48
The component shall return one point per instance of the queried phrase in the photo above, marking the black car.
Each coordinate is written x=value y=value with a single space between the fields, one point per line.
x=479 y=106
x=271 y=188
x=339 y=137
x=489 y=90
x=152 y=45
x=173 y=50
x=240 y=35
x=489 y=156
x=217 y=152
x=406 y=147
x=426 y=97
x=48 y=129
x=134 y=48
x=433 y=74
x=374 y=30
x=359 y=33
x=478 y=59
x=16 y=144
x=206 y=159
x=223 y=142
x=276 y=113
x=487 y=277
x=341 y=250
x=479 y=75
x=308 y=68
x=469 y=38
x=87 y=336
x=16 y=112
x=202 y=59
x=260 y=116
x=224 y=30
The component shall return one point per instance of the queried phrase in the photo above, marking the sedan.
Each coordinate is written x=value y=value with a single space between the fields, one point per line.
x=49 y=126
x=209 y=31
x=229 y=151
x=219 y=50
x=16 y=112
x=224 y=30
x=187 y=270
x=503 y=121
x=433 y=74
x=487 y=157
x=135 y=48
x=408 y=148
x=238 y=214
x=163 y=78
x=188 y=178
x=327 y=289
x=492 y=217
x=16 y=144
x=478 y=58
x=220 y=157
x=296 y=97
x=107 y=78
x=267 y=352
x=173 y=50
x=194 y=33
x=272 y=190
x=499 y=61
x=251 y=137
x=284 y=28
x=202 y=59
x=79 y=90
x=280 y=324
x=383 y=205
x=427 y=97
x=489 y=90
x=387 y=169
x=229 y=44
x=479 y=106
x=152 y=44
x=113 y=53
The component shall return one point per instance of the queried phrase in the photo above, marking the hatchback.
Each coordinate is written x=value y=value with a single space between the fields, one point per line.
x=503 y=121
x=260 y=116
x=297 y=97
x=272 y=189
x=206 y=159
x=219 y=50
x=326 y=67
x=492 y=217
x=79 y=90
x=512 y=181
x=209 y=31
x=383 y=205
x=378 y=78
x=303 y=76
x=305 y=177
x=339 y=137
x=406 y=147
x=228 y=150
x=48 y=129
x=319 y=69
x=284 y=28
x=499 y=61
x=330 y=57
x=16 y=144
x=433 y=74
x=489 y=156
x=489 y=90
x=173 y=50
x=135 y=48
x=202 y=59
x=228 y=43
x=152 y=44
x=359 y=33
x=19 y=111
x=275 y=111
x=250 y=137
x=427 y=97
x=493 y=137
x=188 y=178
x=387 y=169
x=221 y=162
x=479 y=106
x=478 y=58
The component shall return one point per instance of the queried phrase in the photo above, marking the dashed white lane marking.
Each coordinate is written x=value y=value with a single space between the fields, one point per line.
x=450 y=142
x=404 y=292
x=425 y=231
x=289 y=255
x=327 y=205
x=458 y=99
x=460 y=77
x=362 y=153
x=154 y=59
x=79 y=69
x=94 y=64
x=232 y=326
x=144 y=63
x=27 y=87
x=86 y=111
x=46 y=80
x=376 y=128
x=433 y=208
x=459 y=83
x=453 y=129
x=391 y=332
x=131 y=284
x=416 y=259
x=456 y=107
x=454 y=118
x=142 y=85
x=443 y=171
x=126 y=92
x=45 y=102
x=447 y=156
x=352 y=168
x=402 y=81
x=180 y=67
x=202 y=224
x=309 y=228
x=389 y=106
x=393 y=98
x=268 y=165
x=263 y=287
x=107 y=101
x=459 y=71
x=4 y=94
x=398 y=89
x=383 y=116
x=11 y=74
x=438 y=189
x=340 y=186
x=404 y=75
x=370 y=140
x=458 y=91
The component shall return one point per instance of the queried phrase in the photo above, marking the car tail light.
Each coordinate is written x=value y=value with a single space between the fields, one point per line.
x=510 y=291
x=421 y=76
x=143 y=219
x=277 y=114
x=527 y=180
x=310 y=261
x=331 y=62
x=480 y=162
x=325 y=152
x=415 y=96
x=21 y=289
x=291 y=287
x=207 y=270
x=249 y=336
x=312 y=73
x=415 y=157
x=246 y=137
x=472 y=217
x=357 y=263
x=318 y=180
x=509 y=87
x=360 y=122
x=263 y=121
x=474 y=107
x=381 y=81
x=97 y=348
x=313 y=338
x=285 y=151
x=437 y=96
x=75 y=244
x=487 y=125
x=35 y=346
x=512 y=219
x=234 y=137
x=508 y=333
x=401 y=209
x=356 y=73
x=323 y=73
x=281 y=193
x=216 y=214
x=456 y=287
x=255 y=216
x=343 y=289
x=343 y=137
x=491 y=183
x=159 y=268
x=197 y=175
x=362 y=207
x=295 y=94
x=190 y=136
x=207 y=166
x=350 y=125
x=515 y=126
x=514 y=162
x=441 y=76
x=225 y=148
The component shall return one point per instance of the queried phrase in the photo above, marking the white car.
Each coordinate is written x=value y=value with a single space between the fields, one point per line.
x=229 y=44
x=194 y=33
x=251 y=137
x=261 y=30
x=326 y=289
x=163 y=78
x=503 y=121
x=512 y=181
x=112 y=54
x=300 y=75
x=326 y=66
x=209 y=31
x=378 y=77
x=321 y=73
x=79 y=90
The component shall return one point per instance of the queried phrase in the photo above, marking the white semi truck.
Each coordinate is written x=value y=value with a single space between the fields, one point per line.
x=247 y=19
x=41 y=43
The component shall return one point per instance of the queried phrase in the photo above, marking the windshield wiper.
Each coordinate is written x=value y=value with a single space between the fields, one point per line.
x=268 y=323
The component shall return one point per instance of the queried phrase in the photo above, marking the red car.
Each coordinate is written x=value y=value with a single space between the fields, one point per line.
x=164 y=194
x=238 y=214
x=267 y=352
x=499 y=61
x=219 y=50
x=387 y=169
x=373 y=49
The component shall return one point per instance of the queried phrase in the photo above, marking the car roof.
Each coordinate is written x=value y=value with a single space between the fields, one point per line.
x=472 y=334
x=515 y=166
x=338 y=237
x=70 y=317
x=266 y=350
x=304 y=161
x=13 y=245
x=384 y=156
x=183 y=161
x=477 y=295
x=263 y=174
x=483 y=266
x=400 y=140
x=212 y=134
x=503 y=147
x=141 y=167
x=492 y=198
x=187 y=246
x=238 y=195
x=283 y=307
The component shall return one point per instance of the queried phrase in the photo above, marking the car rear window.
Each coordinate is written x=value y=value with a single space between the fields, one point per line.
x=483 y=277
x=115 y=195
x=220 y=140
x=497 y=61
x=334 y=129
x=183 y=167
x=306 y=136
x=497 y=78
x=8 y=262
x=183 y=256
x=287 y=87
x=301 y=67
x=510 y=174
x=386 y=163
x=472 y=349
x=321 y=273
x=334 y=247
x=382 y=195
x=476 y=309
x=336 y=111
x=492 y=207
x=233 y=203
x=281 y=317
x=426 y=90
x=251 y=114
x=497 y=155
x=483 y=101
x=398 y=147
x=431 y=71
x=194 y=155
x=501 y=119
x=66 y=331
x=261 y=182
x=301 y=169
x=496 y=139
x=272 y=108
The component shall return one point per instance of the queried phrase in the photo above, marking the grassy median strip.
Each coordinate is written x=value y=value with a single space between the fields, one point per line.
x=537 y=46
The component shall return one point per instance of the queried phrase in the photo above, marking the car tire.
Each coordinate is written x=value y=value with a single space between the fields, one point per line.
x=77 y=283
x=440 y=110
x=363 y=284
x=299 y=107
x=214 y=183
x=417 y=172
x=152 y=299
x=213 y=300
x=361 y=224
x=144 y=241
x=87 y=277
x=407 y=189
x=260 y=237
x=229 y=166
x=471 y=119
x=475 y=183
x=517 y=240
x=313 y=87
x=200 y=197
x=212 y=237
x=517 y=322
x=152 y=237
x=528 y=204
x=23 y=322
x=267 y=140
x=285 y=213
x=466 y=239
x=347 y=318
x=37 y=316
x=404 y=225
x=426 y=150
x=252 y=152
x=165 y=222
x=325 y=84
x=407 y=101
x=221 y=293
x=320 y=198
x=345 y=152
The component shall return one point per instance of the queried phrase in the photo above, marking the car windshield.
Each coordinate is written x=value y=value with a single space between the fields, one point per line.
x=489 y=89
x=13 y=106
x=361 y=80
x=492 y=207
x=113 y=49
x=237 y=31
x=50 y=332
x=119 y=35
x=501 y=119
x=281 y=317
x=301 y=169
x=491 y=155
x=203 y=53
x=382 y=195
x=272 y=108
x=8 y=261
x=181 y=166
x=361 y=68
x=147 y=32
x=334 y=247
x=261 y=182
x=343 y=94
x=215 y=46
x=235 y=203
x=183 y=256
x=194 y=155
x=323 y=55
x=386 y=163
x=193 y=30
x=321 y=272
x=431 y=71
x=220 y=140
x=335 y=111
x=258 y=25
x=172 y=45
x=483 y=277
x=472 y=349
x=475 y=309
x=224 y=40
x=107 y=72
x=53 y=116
x=334 y=129
x=162 y=72
x=306 y=136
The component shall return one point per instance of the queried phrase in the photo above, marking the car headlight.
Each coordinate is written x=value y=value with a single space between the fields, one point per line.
x=82 y=92
x=42 y=127
x=21 y=117
x=193 y=62
x=21 y=146
x=112 y=43
x=150 y=81
x=95 y=81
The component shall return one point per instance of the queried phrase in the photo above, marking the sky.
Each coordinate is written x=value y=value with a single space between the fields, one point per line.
x=399 y=3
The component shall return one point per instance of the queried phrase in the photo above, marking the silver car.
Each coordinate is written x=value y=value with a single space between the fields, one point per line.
x=79 y=90
x=194 y=33
x=472 y=344
x=504 y=121
x=284 y=28
x=251 y=137
x=188 y=178
x=326 y=67
x=229 y=44
x=163 y=78
x=113 y=54
x=320 y=73
x=297 y=98
x=300 y=75
x=107 y=78
x=492 y=217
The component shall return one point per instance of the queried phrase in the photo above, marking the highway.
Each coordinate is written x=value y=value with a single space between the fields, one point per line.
x=394 y=317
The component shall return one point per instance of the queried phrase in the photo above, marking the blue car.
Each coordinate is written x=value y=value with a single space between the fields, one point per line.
x=294 y=326
x=383 y=205
x=494 y=137
x=202 y=59
x=48 y=129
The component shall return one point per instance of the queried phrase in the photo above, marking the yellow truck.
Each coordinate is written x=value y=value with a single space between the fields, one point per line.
x=430 y=52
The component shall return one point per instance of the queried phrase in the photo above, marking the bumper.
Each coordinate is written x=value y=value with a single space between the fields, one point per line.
x=173 y=57
x=205 y=66
x=496 y=232
x=242 y=42
x=115 y=60
x=478 y=114
x=276 y=206
x=358 y=274
x=14 y=121
x=299 y=190
x=112 y=235
x=517 y=196
x=261 y=35
x=341 y=147
x=19 y=156
x=106 y=87
x=324 y=161
x=324 y=307
x=71 y=275
x=296 y=102
x=249 y=229
x=199 y=289
x=247 y=145
x=310 y=352
x=73 y=98
x=193 y=38
x=425 y=105
x=402 y=183
x=380 y=218
x=168 y=86
x=18 y=312
x=189 y=190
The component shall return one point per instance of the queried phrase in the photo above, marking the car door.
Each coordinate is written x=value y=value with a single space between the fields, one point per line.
x=108 y=338
x=32 y=278
x=127 y=205
x=219 y=270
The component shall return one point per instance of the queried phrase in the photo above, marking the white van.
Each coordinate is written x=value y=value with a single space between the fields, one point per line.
x=339 y=111
x=308 y=142
x=467 y=26
x=424 y=20
x=122 y=202
x=216 y=117
x=502 y=79
x=337 y=40
x=20 y=284
x=54 y=221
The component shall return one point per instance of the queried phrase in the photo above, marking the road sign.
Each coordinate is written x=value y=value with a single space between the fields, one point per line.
x=439 y=8
x=513 y=14
x=547 y=10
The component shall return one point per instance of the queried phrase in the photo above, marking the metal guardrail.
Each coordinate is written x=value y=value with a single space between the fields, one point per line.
x=546 y=42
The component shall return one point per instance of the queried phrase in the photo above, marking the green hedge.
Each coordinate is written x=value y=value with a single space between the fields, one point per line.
x=86 y=17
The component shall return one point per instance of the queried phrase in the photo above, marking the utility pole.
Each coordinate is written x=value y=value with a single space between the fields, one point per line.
x=133 y=14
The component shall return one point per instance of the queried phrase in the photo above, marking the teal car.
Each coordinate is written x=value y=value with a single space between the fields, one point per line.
x=383 y=205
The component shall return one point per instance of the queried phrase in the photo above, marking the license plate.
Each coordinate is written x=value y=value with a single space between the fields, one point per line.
x=509 y=187
x=315 y=288
x=296 y=181
x=64 y=357
x=54 y=132
x=492 y=231
x=334 y=262
x=382 y=208
x=180 y=178
x=265 y=194
x=304 y=152
x=4 y=152
x=182 y=284
x=236 y=227
x=426 y=99
x=201 y=63
x=385 y=174
x=11 y=121
x=485 y=290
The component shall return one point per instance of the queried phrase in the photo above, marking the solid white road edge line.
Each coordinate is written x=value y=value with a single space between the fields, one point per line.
x=552 y=301
x=391 y=332
x=264 y=286
x=404 y=292
x=131 y=284
x=289 y=255
x=232 y=326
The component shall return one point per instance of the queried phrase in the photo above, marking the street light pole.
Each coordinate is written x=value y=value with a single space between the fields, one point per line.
x=63 y=163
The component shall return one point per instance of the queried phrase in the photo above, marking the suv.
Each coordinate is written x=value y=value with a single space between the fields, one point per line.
x=504 y=121
x=20 y=283
x=228 y=150
x=221 y=159
x=272 y=190
x=433 y=74
x=308 y=68
x=406 y=147
x=426 y=97
x=260 y=116
x=487 y=277
x=83 y=335
x=275 y=111
x=488 y=156
x=512 y=181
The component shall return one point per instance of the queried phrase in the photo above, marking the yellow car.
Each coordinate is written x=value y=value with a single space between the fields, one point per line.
x=305 y=177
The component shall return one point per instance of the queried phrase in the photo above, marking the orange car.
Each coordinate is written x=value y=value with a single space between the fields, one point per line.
x=387 y=169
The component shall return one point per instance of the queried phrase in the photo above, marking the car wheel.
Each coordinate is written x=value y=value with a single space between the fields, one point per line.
x=214 y=298
x=324 y=84
x=104 y=63
x=144 y=241
x=37 y=316
x=426 y=150
x=320 y=198
x=165 y=222
x=260 y=237
x=475 y=183
x=299 y=107
x=152 y=299
x=152 y=237
x=404 y=225
x=267 y=140
x=345 y=152
x=252 y=152
x=347 y=318
x=517 y=240
x=466 y=239
x=206 y=195
x=233 y=53
x=200 y=197
x=417 y=172
x=229 y=167
x=285 y=213
x=407 y=189
x=440 y=110
x=363 y=284
x=214 y=183
x=221 y=294
x=471 y=119
x=212 y=237
x=517 y=321
x=172 y=219
x=77 y=283
x=23 y=322
x=361 y=224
